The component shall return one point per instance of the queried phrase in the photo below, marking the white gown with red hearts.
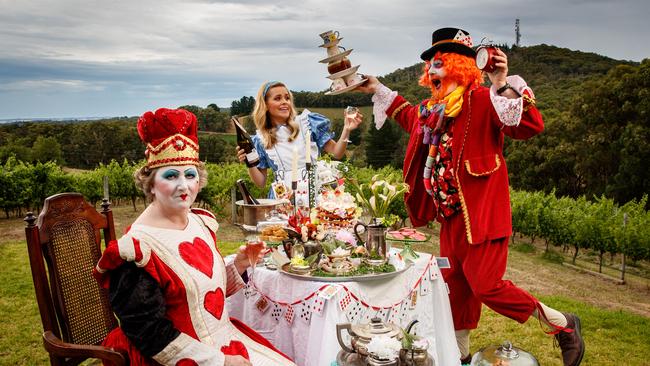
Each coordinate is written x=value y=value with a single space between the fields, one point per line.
x=195 y=282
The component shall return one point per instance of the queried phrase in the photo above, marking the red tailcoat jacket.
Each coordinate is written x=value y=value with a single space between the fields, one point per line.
x=477 y=157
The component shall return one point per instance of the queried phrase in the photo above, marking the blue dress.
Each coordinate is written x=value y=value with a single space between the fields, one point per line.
x=279 y=158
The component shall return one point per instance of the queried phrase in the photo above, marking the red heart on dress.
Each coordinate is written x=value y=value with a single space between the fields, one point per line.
x=186 y=362
x=235 y=348
x=213 y=302
x=198 y=255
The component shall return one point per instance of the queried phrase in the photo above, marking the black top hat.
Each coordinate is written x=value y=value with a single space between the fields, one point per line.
x=453 y=40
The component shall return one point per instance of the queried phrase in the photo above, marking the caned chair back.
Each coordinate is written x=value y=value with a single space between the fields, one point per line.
x=67 y=237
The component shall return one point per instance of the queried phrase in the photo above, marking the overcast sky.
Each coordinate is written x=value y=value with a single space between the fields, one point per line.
x=78 y=58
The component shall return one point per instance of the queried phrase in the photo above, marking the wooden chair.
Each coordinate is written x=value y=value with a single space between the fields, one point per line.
x=75 y=311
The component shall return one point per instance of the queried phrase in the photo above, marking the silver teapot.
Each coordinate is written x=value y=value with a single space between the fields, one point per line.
x=416 y=355
x=503 y=355
x=363 y=333
x=375 y=240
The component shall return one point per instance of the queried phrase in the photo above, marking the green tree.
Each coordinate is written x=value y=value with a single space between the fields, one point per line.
x=243 y=106
x=614 y=124
x=17 y=151
x=215 y=149
x=191 y=108
x=212 y=120
x=381 y=146
x=47 y=149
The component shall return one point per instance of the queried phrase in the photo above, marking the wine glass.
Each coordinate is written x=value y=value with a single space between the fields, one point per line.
x=253 y=249
x=351 y=112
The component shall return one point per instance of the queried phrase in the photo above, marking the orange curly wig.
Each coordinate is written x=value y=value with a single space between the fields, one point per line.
x=459 y=68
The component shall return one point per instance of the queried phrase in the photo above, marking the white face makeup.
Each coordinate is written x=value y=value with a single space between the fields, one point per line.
x=176 y=186
x=437 y=72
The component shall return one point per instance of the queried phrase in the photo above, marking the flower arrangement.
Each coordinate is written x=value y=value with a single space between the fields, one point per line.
x=377 y=195
x=307 y=228
x=346 y=237
x=384 y=347
x=412 y=341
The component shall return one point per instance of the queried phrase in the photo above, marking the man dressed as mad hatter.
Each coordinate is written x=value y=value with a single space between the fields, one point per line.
x=456 y=172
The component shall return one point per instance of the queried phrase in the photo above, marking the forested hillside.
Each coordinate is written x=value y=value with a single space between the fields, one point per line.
x=596 y=112
x=597 y=123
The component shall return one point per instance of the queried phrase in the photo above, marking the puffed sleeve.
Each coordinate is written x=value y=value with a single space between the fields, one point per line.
x=137 y=300
x=265 y=161
x=518 y=117
x=320 y=129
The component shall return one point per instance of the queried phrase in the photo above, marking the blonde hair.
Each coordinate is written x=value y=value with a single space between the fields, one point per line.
x=144 y=176
x=263 y=121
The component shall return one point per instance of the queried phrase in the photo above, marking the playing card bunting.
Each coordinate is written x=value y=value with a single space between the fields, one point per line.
x=171 y=137
x=354 y=308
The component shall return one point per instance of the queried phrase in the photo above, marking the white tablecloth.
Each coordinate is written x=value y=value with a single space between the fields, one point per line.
x=314 y=343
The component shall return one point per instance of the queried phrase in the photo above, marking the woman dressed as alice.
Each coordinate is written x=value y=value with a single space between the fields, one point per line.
x=166 y=278
x=283 y=135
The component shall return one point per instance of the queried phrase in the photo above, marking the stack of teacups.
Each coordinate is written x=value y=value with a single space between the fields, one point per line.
x=341 y=71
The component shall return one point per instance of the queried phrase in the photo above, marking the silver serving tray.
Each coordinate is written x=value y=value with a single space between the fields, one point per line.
x=368 y=277
x=353 y=359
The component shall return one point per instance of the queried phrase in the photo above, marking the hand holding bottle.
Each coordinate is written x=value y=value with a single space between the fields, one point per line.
x=245 y=144
x=241 y=154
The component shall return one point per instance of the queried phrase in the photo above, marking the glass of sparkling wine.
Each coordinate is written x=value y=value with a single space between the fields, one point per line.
x=253 y=249
x=351 y=112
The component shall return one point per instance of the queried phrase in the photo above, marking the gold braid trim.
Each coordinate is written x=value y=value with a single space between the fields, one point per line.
x=399 y=109
x=177 y=149
x=528 y=102
x=463 y=204
x=469 y=168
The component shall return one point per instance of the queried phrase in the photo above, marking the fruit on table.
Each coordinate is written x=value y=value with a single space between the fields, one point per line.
x=406 y=233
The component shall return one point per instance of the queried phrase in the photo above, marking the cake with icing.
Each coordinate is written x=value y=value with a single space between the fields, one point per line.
x=336 y=208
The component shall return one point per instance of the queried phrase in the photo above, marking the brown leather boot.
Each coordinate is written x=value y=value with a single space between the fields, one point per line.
x=571 y=344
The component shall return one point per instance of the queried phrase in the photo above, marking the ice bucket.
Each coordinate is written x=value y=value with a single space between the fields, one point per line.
x=249 y=215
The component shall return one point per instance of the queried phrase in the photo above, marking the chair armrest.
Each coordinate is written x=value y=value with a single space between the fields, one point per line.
x=57 y=347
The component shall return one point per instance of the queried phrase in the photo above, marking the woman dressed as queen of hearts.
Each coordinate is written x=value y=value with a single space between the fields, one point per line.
x=167 y=280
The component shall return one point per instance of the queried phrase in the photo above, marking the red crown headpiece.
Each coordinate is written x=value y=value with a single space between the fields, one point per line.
x=171 y=137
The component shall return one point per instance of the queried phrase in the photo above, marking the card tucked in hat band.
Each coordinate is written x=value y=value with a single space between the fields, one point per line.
x=171 y=137
x=453 y=40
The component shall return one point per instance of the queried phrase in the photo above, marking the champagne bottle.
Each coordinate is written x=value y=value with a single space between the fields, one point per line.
x=246 y=196
x=244 y=142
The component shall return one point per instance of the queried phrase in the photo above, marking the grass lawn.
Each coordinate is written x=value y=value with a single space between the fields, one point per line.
x=615 y=320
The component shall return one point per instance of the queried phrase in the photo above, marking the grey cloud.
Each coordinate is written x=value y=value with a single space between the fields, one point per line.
x=127 y=56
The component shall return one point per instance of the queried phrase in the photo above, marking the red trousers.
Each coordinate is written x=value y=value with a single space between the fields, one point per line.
x=476 y=277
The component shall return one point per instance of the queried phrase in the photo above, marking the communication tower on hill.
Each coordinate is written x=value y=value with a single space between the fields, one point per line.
x=517 y=34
